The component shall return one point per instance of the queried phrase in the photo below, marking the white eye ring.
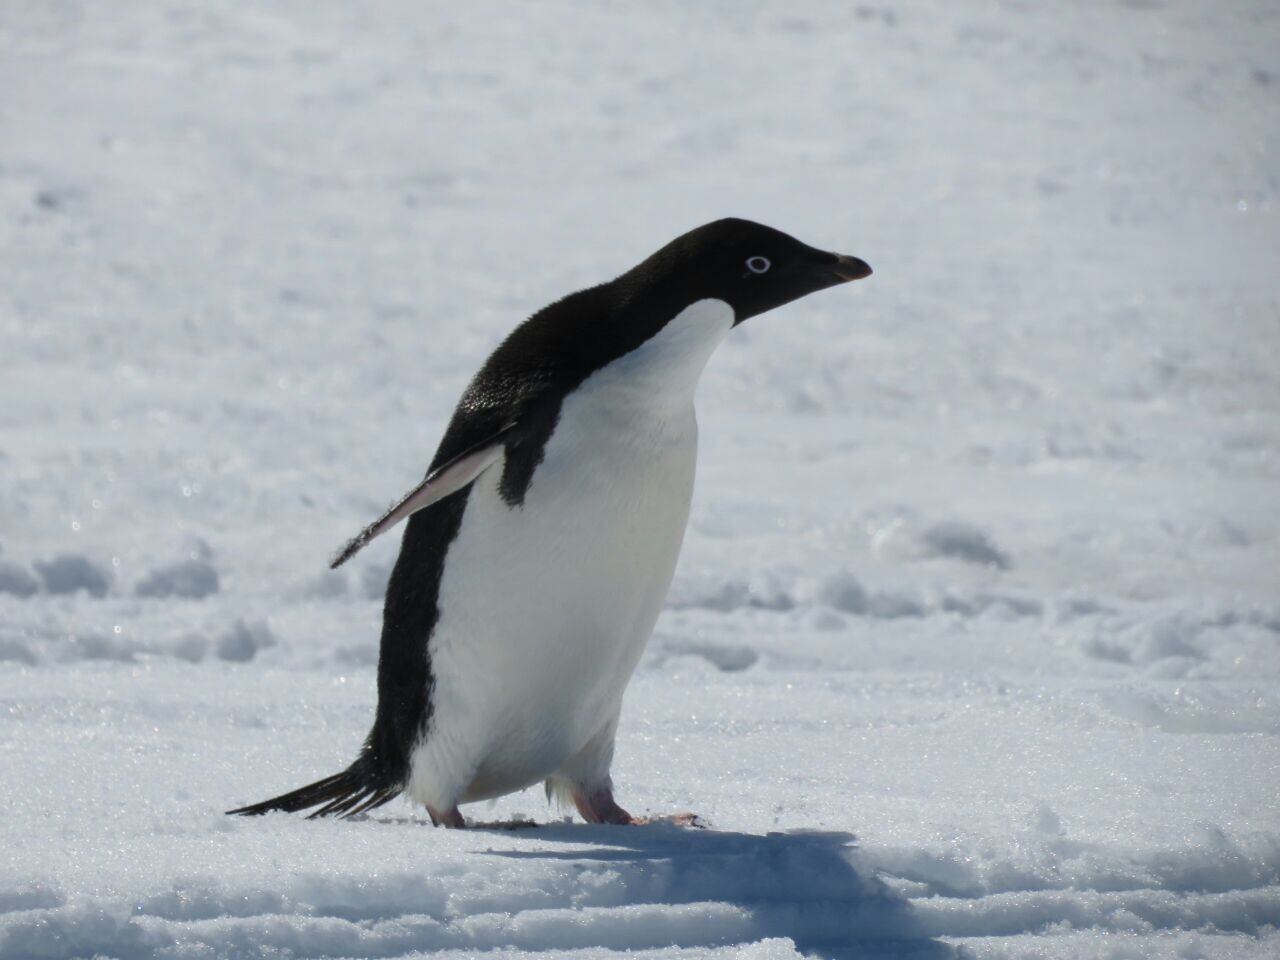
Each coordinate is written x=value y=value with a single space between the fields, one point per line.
x=758 y=264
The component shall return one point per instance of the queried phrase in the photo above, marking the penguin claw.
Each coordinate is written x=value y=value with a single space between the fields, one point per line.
x=686 y=819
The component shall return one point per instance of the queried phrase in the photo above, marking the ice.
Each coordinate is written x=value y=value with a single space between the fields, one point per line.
x=974 y=646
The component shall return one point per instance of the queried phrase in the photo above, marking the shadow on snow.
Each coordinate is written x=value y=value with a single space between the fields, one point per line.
x=806 y=885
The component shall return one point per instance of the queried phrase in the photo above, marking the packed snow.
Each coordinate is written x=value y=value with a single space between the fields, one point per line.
x=974 y=647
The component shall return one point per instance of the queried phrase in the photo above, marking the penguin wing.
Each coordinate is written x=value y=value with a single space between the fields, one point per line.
x=450 y=477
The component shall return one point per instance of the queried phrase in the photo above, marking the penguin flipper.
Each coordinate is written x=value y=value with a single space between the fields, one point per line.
x=345 y=794
x=449 y=477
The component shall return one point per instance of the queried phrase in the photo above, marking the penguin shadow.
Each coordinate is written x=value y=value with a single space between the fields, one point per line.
x=806 y=885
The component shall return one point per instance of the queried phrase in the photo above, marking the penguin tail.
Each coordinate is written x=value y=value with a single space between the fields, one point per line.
x=355 y=790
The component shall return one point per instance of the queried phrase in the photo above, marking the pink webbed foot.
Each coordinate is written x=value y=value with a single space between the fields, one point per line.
x=600 y=807
x=685 y=819
x=451 y=818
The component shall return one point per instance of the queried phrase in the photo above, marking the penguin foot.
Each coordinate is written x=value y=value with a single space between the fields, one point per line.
x=451 y=818
x=600 y=807
x=685 y=819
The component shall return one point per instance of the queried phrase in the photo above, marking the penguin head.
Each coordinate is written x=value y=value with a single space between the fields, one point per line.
x=751 y=267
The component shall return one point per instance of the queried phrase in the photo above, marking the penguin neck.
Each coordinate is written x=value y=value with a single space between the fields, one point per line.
x=662 y=373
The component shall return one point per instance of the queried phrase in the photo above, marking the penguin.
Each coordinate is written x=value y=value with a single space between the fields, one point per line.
x=540 y=545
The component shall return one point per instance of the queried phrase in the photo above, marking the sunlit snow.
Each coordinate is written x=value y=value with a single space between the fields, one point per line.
x=974 y=646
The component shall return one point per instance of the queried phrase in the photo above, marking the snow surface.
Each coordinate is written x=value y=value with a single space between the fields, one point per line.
x=975 y=642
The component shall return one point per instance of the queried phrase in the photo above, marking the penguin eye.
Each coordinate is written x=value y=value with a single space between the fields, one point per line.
x=758 y=264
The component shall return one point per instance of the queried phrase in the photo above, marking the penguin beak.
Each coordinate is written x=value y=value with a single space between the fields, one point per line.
x=849 y=268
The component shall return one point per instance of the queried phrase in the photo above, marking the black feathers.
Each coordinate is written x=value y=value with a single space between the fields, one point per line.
x=353 y=791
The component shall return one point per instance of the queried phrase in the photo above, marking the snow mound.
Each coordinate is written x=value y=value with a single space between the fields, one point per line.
x=15 y=580
x=944 y=540
x=842 y=591
x=69 y=572
x=13 y=649
x=242 y=642
x=194 y=579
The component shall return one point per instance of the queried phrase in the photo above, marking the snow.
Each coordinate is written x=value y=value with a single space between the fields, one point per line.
x=974 y=646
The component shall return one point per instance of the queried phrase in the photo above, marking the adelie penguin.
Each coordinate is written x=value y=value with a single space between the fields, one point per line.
x=541 y=544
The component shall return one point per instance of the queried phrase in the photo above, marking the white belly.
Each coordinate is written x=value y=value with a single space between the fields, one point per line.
x=545 y=608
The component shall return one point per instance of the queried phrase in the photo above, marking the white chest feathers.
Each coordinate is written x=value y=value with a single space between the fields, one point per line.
x=544 y=608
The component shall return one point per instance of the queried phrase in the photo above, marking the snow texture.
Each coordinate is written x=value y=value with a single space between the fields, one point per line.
x=190 y=578
x=974 y=647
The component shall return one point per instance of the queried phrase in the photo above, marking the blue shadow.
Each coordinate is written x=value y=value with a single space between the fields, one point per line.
x=806 y=885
